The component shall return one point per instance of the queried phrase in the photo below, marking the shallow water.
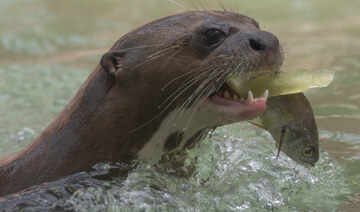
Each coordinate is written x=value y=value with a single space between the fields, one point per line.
x=48 y=48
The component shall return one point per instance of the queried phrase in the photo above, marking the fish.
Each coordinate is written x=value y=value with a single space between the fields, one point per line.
x=280 y=83
x=290 y=121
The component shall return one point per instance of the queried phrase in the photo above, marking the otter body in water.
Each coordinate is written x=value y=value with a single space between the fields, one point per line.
x=158 y=89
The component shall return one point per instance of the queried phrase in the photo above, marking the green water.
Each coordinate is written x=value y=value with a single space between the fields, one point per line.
x=47 y=49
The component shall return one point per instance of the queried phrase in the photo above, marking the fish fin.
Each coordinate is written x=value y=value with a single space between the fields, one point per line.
x=282 y=135
x=257 y=122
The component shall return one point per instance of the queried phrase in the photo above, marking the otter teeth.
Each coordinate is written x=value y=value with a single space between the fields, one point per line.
x=227 y=95
x=250 y=98
x=265 y=95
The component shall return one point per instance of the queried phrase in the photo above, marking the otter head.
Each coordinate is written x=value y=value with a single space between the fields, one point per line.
x=170 y=78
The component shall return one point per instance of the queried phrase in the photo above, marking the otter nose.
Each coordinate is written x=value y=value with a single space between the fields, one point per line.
x=262 y=41
x=255 y=44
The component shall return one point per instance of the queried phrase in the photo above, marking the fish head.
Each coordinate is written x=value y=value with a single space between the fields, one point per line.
x=299 y=143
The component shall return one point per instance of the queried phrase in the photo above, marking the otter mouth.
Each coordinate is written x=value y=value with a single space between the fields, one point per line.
x=239 y=107
x=225 y=95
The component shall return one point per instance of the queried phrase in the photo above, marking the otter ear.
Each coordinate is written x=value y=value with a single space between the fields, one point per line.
x=112 y=62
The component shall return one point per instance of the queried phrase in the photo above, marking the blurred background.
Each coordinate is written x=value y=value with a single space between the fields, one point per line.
x=48 y=48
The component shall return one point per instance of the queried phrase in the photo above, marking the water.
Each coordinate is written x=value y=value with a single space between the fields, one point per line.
x=48 y=48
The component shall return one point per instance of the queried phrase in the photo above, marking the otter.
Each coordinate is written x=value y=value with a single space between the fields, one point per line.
x=159 y=88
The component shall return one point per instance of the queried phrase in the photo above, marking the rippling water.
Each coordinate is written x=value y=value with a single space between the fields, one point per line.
x=48 y=48
x=231 y=173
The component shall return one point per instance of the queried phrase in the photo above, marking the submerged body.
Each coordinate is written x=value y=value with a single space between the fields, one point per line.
x=157 y=83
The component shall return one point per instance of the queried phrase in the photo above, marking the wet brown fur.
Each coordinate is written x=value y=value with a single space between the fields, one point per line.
x=120 y=105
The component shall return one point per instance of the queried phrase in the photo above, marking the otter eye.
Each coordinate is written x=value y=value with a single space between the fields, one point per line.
x=307 y=151
x=214 y=36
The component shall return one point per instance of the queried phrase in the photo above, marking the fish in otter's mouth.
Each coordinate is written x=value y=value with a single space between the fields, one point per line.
x=208 y=52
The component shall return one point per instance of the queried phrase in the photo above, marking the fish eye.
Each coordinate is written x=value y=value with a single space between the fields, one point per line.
x=307 y=151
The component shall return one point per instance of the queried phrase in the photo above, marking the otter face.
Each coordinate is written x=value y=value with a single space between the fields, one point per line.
x=173 y=72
